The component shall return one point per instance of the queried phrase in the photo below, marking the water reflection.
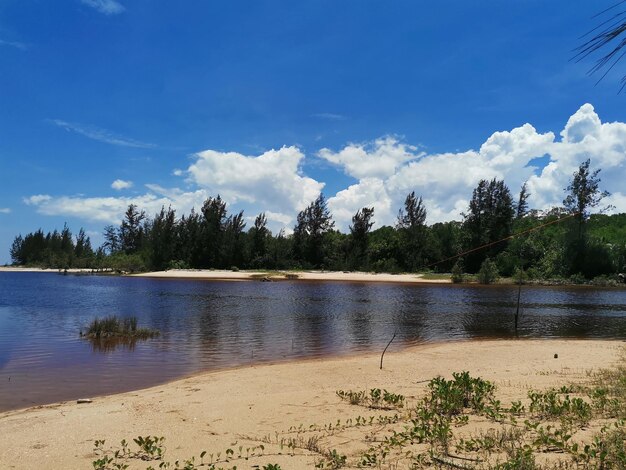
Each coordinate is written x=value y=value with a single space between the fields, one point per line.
x=108 y=345
x=209 y=325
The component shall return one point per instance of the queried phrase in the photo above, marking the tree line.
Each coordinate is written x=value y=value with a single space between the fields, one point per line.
x=580 y=244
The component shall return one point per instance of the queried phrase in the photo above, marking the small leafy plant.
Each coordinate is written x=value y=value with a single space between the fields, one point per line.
x=376 y=398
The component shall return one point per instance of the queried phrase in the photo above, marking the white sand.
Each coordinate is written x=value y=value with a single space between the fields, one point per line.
x=300 y=275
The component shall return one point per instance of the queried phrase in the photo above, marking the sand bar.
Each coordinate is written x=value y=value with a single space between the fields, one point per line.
x=227 y=275
x=205 y=274
x=215 y=411
x=17 y=269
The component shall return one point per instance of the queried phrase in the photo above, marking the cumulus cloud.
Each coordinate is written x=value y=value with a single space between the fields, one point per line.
x=446 y=180
x=270 y=182
x=121 y=184
x=107 y=7
x=378 y=160
x=386 y=170
x=5 y=210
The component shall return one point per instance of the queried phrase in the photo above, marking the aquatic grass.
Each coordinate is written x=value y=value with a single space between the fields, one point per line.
x=114 y=328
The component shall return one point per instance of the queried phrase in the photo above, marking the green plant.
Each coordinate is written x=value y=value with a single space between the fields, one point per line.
x=457 y=275
x=488 y=272
x=333 y=460
x=112 y=327
x=150 y=447
x=376 y=398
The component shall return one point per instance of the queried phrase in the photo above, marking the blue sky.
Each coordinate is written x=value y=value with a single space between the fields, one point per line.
x=269 y=102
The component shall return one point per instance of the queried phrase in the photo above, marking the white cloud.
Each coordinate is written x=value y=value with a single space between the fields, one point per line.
x=5 y=210
x=446 y=180
x=386 y=171
x=379 y=160
x=101 y=135
x=369 y=192
x=108 y=7
x=110 y=210
x=271 y=182
x=121 y=184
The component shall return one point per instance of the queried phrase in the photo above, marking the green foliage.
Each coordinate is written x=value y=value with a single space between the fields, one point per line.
x=488 y=272
x=376 y=398
x=113 y=327
x=457 y=276
x=53 y=250
x=312 y=224
x=569 y=242
x=359 y=231
x=489 y=220
x=150 y=447
x=411 y=225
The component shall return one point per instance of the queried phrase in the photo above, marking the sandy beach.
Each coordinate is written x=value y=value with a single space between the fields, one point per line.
x=226 y=275
x=256 y=405
x=205 y=274
x=12 y=269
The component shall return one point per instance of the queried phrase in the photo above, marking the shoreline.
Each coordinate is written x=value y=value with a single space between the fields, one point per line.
x=271 y=276
x=315 y=276
x=211 y=410
x=252 y=275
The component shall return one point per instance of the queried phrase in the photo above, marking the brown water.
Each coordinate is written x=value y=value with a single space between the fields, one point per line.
x=212 y=325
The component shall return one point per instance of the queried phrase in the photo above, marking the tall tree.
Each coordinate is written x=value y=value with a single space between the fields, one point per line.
x=521 y=208
x=259 y=236
x=583 y=192
x=311 y=225
x=488 y=220
x=190 y=236
x=414 y=213
x=83 y=245
x=215 y=219
x=411 y=224
x=582 y=195
x=163 y=239
x=17 y=251
x=131 y=233
x=359 y=230
x=234 y=247
x=111 y=239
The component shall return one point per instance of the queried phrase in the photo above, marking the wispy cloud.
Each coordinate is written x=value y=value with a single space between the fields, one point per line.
x=101 y=135
x=16 y=44
x=5 y=210
x=330 y=116
x=107 y=7
x=121 y=184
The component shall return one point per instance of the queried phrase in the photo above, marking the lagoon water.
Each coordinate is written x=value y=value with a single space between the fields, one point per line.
x=211 y=325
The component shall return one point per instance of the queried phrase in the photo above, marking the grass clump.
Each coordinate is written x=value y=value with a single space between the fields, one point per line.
x=376 y=398
x=112 y=327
